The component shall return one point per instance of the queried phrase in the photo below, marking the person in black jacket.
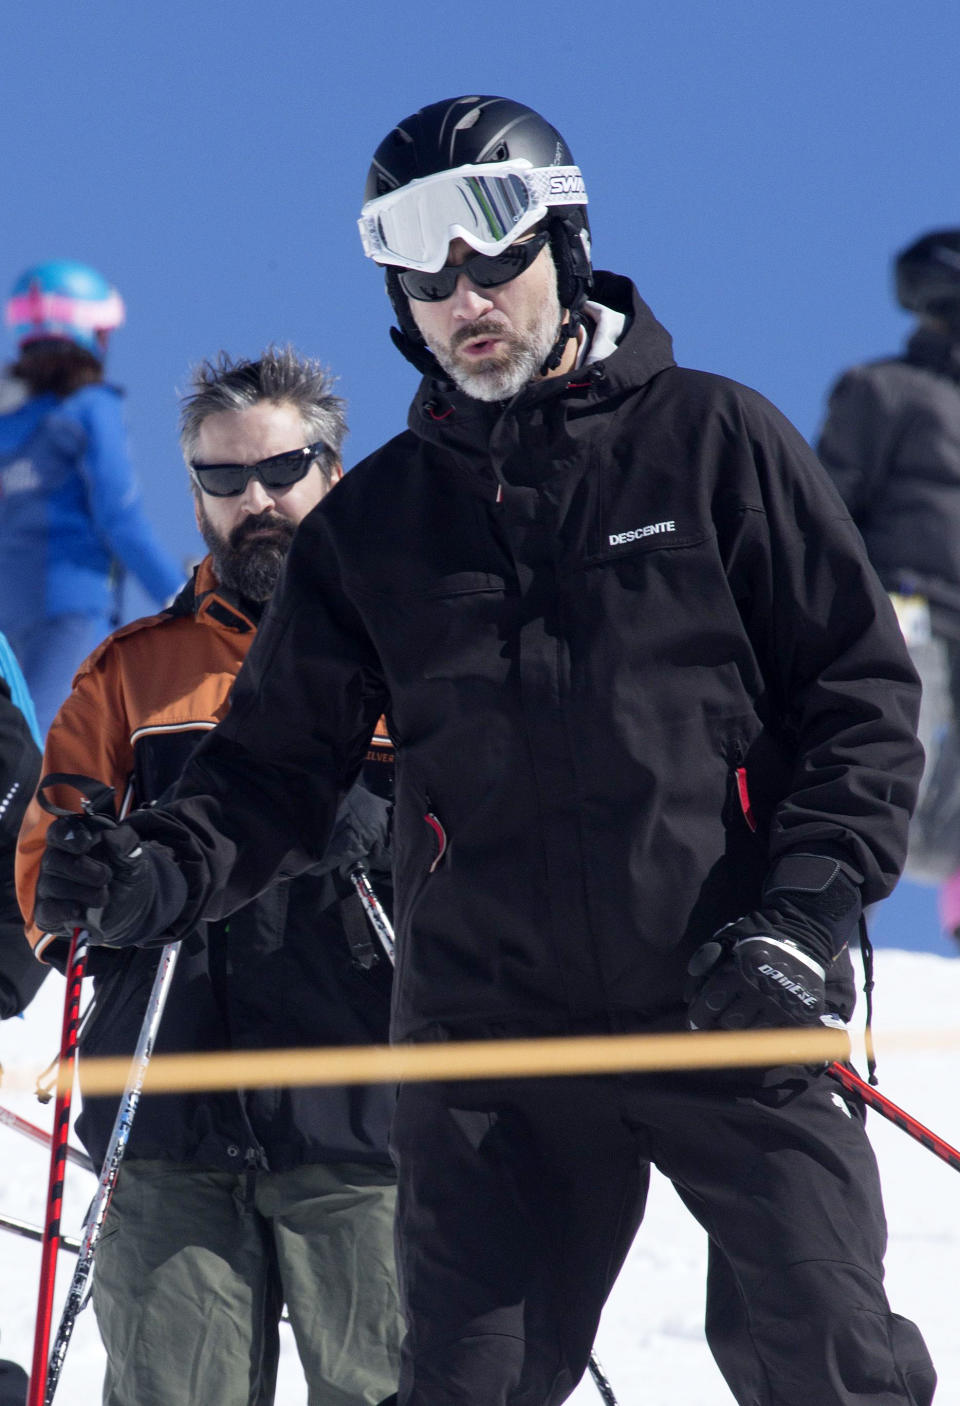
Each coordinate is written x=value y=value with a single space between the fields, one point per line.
x=655 y=729
x=229 y=1205
x=891 y=443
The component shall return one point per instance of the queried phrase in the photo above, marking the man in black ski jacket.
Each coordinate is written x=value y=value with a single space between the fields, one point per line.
x=655 y=731
x=891 y=444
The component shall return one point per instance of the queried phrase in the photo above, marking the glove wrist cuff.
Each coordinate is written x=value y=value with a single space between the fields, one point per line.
x=814 y=901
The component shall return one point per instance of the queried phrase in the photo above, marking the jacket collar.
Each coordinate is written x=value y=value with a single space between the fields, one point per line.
x=935 y=350
x=481 y=434
x=213 y=604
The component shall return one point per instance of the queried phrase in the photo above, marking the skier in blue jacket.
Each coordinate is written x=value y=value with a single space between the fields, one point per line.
x=71 y=517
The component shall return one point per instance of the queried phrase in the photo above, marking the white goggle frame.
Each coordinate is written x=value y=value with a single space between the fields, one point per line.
x=489 y=206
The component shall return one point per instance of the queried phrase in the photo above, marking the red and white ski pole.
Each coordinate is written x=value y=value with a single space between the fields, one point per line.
x=373 y=908
x=383 y=929
x=119 y=1137
x=35 y=1232
x=76 y=962
x=12 y=1120
x=908 y=1124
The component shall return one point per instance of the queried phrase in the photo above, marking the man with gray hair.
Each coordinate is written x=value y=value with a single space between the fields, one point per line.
x=655 y=725
x=230 y=1204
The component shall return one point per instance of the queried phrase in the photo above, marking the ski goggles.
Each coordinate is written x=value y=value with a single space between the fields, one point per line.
x=279 y=471
x=485 y=270
x=489 y=206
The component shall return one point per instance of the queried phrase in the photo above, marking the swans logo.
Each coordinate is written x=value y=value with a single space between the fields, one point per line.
x=567 y=185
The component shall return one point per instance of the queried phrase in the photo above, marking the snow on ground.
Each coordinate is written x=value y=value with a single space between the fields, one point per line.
x=650 y=1342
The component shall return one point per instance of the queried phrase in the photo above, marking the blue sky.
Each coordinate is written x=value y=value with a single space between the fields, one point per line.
x=752 y=164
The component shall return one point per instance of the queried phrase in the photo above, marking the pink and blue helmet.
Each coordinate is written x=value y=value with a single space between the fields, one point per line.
x=61 y=300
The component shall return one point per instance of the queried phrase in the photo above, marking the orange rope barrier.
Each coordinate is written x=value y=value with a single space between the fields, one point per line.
x=478 y=1059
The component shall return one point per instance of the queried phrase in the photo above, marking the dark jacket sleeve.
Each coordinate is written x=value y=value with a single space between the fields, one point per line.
x=20 y=973
x=258 y=799
x=841 y=686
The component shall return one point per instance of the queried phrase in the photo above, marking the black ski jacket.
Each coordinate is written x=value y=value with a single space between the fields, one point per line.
x=630 y=650
x=891 y=444
x=277 y=974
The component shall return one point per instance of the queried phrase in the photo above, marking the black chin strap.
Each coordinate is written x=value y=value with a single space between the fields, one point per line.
x=568 y=329
x=418 y=354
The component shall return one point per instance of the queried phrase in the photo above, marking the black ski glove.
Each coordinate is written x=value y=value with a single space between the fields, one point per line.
x=769 y=968
x=361 y=832
x=125 y=892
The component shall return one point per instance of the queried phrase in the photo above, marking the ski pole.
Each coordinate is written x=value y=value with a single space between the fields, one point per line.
x=58 y=1157
x=384 y=930
x=35 y=1232
x=373 y=908
x=873 y=1099
x=601 y=1382
x=119 y=1138
x=21 y=1125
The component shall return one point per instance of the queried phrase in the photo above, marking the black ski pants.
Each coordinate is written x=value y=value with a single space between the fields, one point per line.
x=518 y=1202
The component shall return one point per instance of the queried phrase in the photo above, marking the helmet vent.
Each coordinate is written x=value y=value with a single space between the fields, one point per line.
x=468 y=120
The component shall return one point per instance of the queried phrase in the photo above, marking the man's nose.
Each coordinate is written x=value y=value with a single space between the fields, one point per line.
x=468 y=301
x=255 y=498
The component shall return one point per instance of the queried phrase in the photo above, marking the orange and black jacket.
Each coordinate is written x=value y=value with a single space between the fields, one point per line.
x=278 y=973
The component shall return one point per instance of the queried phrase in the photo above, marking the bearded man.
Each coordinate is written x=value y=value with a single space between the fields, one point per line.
x=229 y=1205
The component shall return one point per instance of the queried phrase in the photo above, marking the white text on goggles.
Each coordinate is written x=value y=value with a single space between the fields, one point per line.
x=488 y=205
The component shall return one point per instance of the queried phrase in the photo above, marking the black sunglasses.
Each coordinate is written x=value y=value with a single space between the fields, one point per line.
x=485 y=270
x=279 y=471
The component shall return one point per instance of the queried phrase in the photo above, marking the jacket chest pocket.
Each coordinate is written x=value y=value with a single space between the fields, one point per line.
x=451 y=629
x=661 y=633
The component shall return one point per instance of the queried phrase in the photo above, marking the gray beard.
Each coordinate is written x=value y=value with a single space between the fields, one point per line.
x=251 y=568
x=515 y=367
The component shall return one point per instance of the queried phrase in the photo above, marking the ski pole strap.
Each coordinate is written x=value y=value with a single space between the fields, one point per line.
x=876 y=1100
x=98 y=797
x=866 y=952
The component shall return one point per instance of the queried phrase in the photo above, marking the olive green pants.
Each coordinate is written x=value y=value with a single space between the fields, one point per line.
x=194 y=1267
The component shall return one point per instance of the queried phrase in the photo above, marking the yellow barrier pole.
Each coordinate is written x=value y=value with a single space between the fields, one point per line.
x=478 y=1059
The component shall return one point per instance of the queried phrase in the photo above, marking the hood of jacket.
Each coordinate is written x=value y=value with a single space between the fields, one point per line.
x=935 y=350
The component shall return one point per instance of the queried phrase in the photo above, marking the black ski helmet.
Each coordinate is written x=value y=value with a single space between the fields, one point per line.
x=470 y=131
x=928 y=275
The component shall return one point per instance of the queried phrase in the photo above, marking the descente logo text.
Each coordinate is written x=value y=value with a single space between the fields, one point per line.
x=617 y=539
